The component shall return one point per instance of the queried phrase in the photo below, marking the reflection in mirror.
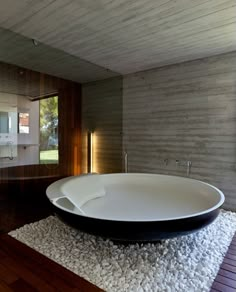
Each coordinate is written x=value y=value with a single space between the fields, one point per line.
x=23 y=123
x=8 y=122
x=8 y=128
x=4 y=122
x=8 y=113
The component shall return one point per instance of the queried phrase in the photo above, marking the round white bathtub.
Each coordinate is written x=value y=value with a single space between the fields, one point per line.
x=134 y=206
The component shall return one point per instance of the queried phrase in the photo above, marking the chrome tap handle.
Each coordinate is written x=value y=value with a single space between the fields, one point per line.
x=189 y=165
x=126 y=161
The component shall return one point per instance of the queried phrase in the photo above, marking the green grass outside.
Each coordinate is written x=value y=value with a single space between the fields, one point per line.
x=49 y=156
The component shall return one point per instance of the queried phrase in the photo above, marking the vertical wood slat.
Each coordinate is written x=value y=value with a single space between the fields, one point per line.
x=70 y=130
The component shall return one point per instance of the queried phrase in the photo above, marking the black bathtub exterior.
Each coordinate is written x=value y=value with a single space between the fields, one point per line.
x=136 y=231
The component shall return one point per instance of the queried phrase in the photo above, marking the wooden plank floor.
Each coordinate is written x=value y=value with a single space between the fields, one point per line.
x=17 y=210
x=23 y=269
x=225 y=280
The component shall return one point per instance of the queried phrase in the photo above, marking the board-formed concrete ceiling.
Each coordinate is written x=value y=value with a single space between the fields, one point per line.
x=126 y=36
x=21 y=51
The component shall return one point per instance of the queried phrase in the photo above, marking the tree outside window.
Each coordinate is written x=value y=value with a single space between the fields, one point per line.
x=49 y=130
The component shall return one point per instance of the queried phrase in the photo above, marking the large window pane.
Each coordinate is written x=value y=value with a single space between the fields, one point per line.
x=49 y=130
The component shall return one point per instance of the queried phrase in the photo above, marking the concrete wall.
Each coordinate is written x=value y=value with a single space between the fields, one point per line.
x=102 y=114
x=184 y=112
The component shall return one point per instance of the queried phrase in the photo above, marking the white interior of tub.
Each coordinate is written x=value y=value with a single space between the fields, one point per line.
x=135 y=197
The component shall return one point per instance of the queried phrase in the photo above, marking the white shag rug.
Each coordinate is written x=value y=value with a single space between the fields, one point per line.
x=188 y=263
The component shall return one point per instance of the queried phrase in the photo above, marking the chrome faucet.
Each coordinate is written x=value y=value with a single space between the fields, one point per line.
x=189 y=165
x=126 y=161
x=166 y=161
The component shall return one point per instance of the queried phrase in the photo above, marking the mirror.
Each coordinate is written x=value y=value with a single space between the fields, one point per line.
x=8 y=113
x=4 y=122
x=8 y=122
x=23 y=123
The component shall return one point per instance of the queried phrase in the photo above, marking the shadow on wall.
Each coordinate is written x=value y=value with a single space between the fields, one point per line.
x=102 y=114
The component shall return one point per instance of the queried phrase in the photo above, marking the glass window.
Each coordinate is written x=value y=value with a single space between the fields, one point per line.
x=49 y=130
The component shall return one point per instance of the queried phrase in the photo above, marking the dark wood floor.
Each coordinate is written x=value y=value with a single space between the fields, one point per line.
x=225 y=280
x=14 y=214
x=21 y=268
x=20 y=205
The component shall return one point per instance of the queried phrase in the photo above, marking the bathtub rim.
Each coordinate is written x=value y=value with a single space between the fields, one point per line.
x=52 y=188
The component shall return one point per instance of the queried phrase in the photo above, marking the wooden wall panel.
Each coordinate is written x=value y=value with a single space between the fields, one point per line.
x=33 y=84
x=184 y=112
x=70 y=130
x=102 y=114
x=21 y=81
